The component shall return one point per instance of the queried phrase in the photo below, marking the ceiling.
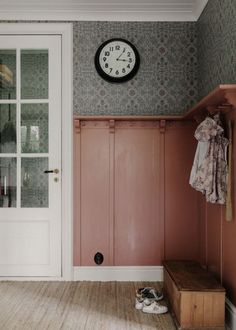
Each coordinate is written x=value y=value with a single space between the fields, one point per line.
x=102 y=10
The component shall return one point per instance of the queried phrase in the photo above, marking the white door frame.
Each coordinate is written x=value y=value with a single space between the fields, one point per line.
x=66 y=32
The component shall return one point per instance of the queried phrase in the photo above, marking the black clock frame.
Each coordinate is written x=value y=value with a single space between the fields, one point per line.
x=117 y=79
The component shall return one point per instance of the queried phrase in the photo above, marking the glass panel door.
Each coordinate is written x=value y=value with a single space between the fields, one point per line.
x=30 y=151
x=33 y=126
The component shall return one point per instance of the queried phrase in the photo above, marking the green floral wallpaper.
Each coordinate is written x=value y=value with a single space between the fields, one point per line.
x=166 y=82
x=216 y=44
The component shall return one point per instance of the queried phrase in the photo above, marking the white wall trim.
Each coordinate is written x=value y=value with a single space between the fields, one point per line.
x=32 y=278
x=66 y=32
x=118 y=273
x=64 y=29
x=67 y=151
x=132 y=10
x=230 y=315
x=57 y=15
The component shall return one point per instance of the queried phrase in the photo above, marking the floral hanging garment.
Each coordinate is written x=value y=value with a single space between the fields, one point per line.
x=209 y=171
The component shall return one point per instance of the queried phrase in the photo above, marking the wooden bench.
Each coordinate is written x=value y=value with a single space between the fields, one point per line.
x=196 y=299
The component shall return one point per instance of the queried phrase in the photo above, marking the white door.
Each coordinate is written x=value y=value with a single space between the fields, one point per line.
x=30 y=144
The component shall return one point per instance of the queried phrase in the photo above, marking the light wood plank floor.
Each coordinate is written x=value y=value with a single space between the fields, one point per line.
x=76 y=305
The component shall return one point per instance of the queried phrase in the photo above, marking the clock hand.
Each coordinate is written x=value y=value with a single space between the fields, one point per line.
x=122 y=60
x=120 y=54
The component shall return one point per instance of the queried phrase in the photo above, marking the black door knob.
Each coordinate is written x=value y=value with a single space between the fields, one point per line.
x=98 y=258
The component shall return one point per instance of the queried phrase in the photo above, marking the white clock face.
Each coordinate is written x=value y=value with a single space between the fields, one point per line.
x=117 y=59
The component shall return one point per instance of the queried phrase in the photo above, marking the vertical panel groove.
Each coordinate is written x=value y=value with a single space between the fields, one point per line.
x=111 y=194
x=206 y=234
x=221 y=244
x=162 y=204
x=79 y=199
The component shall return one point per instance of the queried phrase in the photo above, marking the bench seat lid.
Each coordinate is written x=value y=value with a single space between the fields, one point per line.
x=190 y=276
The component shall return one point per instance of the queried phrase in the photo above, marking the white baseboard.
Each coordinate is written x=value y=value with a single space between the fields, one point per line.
x=119 y=273
x=230 y=315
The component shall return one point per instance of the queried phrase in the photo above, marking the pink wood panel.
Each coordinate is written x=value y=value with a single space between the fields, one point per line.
x=76 y=193
x=229 y=258
x=161 y=188
x=95 y=221
x=202 y=207
x=221 y=235
x=229 y=231
x=214 y=238
x=137 y=224
x=181 y=200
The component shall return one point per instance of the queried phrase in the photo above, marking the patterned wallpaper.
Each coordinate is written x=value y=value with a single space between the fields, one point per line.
x=166 y=82
x=180 y=63
x=217 y=45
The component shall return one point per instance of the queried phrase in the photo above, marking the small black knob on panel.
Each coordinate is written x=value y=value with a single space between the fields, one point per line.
x=98 y=258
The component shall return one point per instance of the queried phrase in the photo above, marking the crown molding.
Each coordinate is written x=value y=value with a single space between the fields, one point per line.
x=199 y=7
x=134 y=10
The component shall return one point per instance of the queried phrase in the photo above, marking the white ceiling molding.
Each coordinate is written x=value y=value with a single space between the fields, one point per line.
x=107 y=10
x=199 y=7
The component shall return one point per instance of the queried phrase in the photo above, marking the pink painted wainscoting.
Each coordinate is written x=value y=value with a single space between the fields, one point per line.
x=218 y=236
x=182 y=227
x=132 y=201
x=137 y=230
x=92 y=204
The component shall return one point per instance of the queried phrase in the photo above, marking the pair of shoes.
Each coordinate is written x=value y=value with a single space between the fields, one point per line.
x=147 y=301
x=148 y=293
x=155 y=308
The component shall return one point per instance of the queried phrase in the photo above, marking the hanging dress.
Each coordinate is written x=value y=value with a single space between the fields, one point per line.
x=209 y=171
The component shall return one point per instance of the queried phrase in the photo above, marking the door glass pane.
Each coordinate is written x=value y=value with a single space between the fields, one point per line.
x=34 y=74
x=7 y=182
x=34 y=128
x=7 y=128
x=34 y=182
x=7 y=74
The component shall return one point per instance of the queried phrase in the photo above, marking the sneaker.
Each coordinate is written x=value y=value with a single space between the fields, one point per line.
x=150 y=293
x=155 y=308
x=140 y=303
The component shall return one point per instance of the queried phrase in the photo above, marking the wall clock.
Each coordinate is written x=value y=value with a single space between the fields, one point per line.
x=117 y=60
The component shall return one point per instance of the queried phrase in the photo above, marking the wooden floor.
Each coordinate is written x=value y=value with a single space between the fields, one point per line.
x=76 y=305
